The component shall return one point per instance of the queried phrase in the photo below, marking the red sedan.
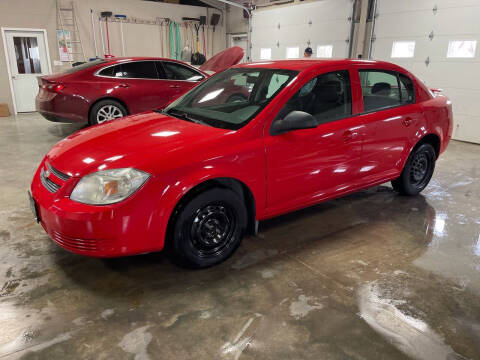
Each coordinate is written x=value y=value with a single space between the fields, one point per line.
x=197 y=176
x=106 y=89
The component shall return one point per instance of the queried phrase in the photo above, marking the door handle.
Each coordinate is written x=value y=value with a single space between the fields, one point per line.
x=175 y=86
x=14 y=77
x=407 y=121
x=124 y=85
x=349 y=135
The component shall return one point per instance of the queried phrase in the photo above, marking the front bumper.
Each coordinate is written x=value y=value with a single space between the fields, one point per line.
x=121 y=229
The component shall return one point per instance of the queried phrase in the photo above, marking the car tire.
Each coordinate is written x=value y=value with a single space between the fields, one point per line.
x=106 y=110
x=417 y=171
x=208 y=229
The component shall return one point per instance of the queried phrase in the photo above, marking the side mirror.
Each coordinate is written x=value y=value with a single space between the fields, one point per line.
x=295 y=120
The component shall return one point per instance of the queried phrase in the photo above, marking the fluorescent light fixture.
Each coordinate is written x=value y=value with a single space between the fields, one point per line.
x=324 y=51
x=461 y=48
x=403 y=49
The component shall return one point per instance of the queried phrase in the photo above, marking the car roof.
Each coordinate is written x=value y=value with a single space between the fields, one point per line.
x=121 y=59
x=302 y=64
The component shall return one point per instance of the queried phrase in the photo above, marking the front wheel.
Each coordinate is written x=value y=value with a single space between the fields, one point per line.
x=417 y=171
x=208 y=229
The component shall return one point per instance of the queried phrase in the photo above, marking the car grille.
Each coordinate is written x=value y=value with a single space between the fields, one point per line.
x=58 y=173
x=72 y=243
x=49 y=184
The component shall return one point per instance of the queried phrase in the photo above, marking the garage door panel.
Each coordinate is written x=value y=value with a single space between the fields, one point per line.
x=382 y=49
x=464 y=101
x=403 y=6
x=393 y=26
x=466 y=128
x=458 y=77
x=457 y=21
x=329 y=26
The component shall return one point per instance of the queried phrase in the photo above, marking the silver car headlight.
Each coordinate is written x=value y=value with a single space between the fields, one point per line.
x=108 y=186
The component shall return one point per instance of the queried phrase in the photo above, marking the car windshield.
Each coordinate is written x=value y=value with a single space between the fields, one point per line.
x=230 y=99
x=84 y=66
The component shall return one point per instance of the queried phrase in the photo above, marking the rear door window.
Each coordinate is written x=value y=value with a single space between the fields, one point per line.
x=137 y=70
x=385 y=89
x=174 y=71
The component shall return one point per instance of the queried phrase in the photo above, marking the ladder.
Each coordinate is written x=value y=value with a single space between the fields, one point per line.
x=69 y=22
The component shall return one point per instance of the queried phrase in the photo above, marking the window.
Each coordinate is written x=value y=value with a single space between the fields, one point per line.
x=84 y=66
x=108 y=71
x=461 y=48
x=384 y=89
x=230 y=99
x=324 y=51
x=327 y=97
x=265 y=54
x=403 y=49
x=136 y=70
x=174 y=71
x=407 y=90
x=27 y=55
x=293 y=52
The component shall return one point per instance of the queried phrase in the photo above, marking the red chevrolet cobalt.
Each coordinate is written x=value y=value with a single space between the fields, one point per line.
x=198 y=175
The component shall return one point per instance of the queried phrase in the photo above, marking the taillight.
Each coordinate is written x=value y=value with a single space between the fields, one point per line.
x=53 y=87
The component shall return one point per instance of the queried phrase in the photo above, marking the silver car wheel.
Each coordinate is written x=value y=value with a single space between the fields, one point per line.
x=107 y=113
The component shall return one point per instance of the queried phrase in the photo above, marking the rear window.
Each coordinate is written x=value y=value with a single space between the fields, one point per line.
x=84 y=66
x=383 y=89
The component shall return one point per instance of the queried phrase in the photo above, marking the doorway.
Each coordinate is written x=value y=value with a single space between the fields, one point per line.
x=239 y=40
x=26 y=52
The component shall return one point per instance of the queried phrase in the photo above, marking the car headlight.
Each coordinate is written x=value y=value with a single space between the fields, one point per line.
x=108 y=186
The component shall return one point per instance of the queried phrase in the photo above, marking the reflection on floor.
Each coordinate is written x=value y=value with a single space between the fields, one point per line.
x=369 y=276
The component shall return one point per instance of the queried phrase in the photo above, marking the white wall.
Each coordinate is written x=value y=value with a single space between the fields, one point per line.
x=141 y=40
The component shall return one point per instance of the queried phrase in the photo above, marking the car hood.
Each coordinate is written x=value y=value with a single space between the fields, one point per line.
x=223 y=60
x=143 y=141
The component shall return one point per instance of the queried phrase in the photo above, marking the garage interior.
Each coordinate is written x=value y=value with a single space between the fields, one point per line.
x=372 y=275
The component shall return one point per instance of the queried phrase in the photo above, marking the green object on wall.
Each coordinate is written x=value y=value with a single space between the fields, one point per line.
x=172 y=43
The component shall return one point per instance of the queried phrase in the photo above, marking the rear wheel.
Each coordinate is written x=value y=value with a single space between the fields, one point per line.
x=106 y=110
x=208 y=229
x=417 y=171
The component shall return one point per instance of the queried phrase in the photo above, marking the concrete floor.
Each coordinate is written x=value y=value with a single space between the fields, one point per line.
x=369 y=276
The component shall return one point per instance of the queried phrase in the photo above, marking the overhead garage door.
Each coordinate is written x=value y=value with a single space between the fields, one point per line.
x=324 y=25
x=446 y=37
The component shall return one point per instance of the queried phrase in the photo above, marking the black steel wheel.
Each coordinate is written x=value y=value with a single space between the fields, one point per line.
x=417 y=172
x=208 y=229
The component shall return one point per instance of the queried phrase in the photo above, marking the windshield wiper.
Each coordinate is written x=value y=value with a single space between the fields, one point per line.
x=183 y=115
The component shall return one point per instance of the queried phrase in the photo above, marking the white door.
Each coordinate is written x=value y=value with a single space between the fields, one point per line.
x=240 y=40
x=322 y=25
x=446 y=53
x=27 y=56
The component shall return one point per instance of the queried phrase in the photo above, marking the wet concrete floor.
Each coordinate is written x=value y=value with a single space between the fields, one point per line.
x=370 y=276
